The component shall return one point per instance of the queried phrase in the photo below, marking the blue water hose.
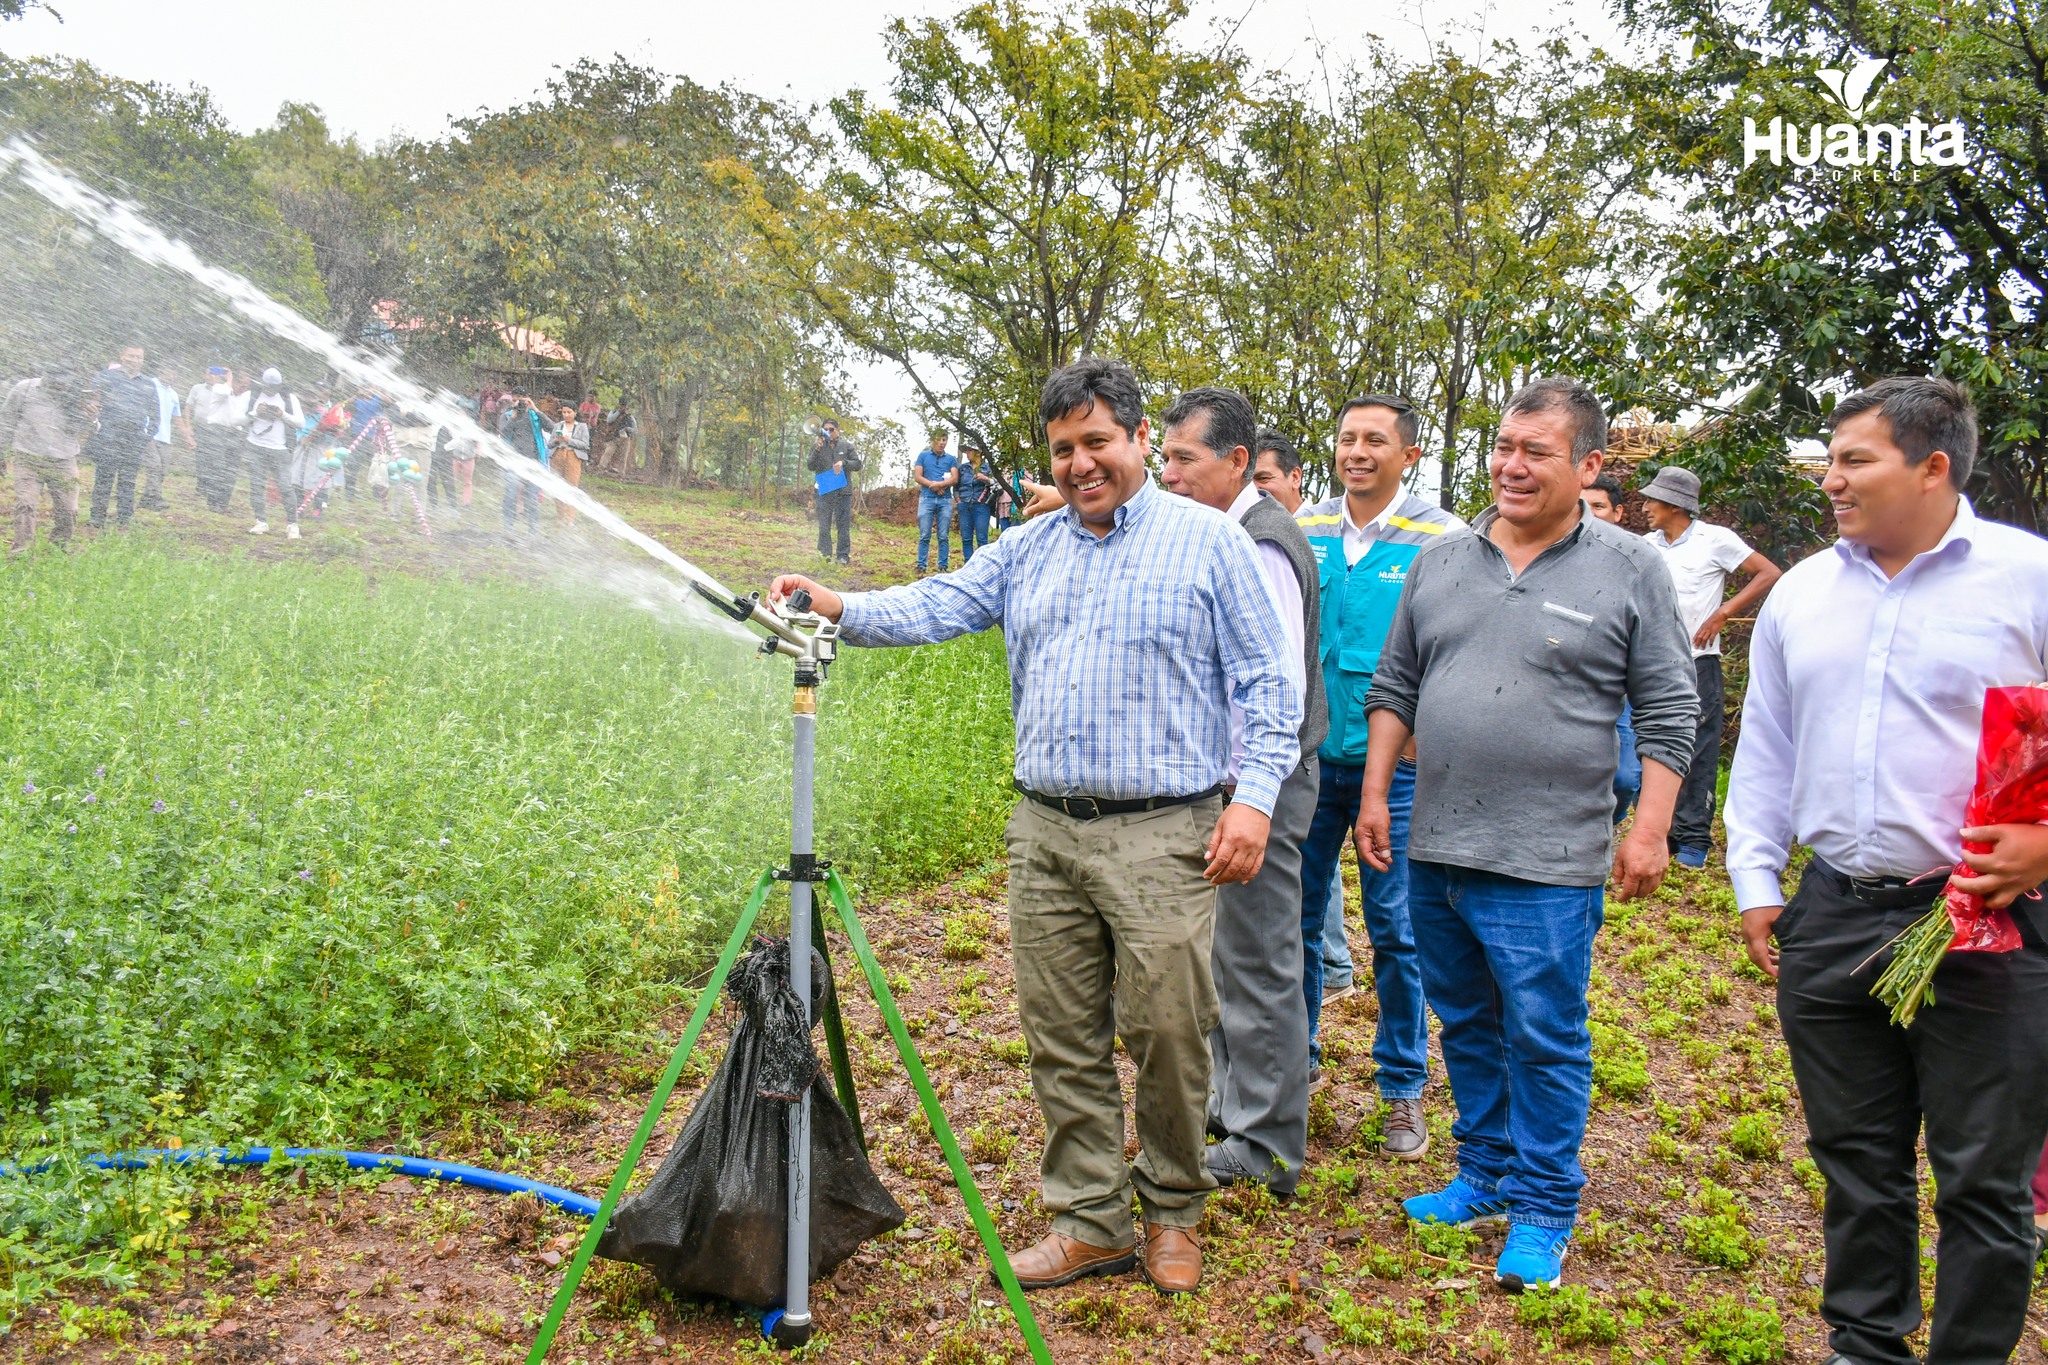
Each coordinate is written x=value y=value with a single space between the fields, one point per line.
x=420 y=1168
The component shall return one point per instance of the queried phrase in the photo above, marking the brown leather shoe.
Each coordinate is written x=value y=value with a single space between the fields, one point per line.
x=1061 y=1260
x=1406 y=1131
x=1173 y=1259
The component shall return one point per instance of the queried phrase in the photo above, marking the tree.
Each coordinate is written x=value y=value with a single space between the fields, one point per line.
x=345 y=202
x=1790 y=284
x=1007 y=211
x=67 y=296
x=596 y=207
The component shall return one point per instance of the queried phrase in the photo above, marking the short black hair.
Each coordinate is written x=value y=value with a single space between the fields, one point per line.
x=1087 y=381
x=1925 y=415
x=1231 y=422
x=1284 y=453
x=1574 y=398
x=1406 y=420
x=1609 y=485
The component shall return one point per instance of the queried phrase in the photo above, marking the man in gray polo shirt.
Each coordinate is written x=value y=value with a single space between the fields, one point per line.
x=1509 y=658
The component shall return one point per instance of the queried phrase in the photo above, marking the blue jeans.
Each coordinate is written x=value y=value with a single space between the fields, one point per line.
x=1337 y=964
x=934 y=512
x=1506 y=964
x=1400 y=1045
x=973 y=528
x=517 y=491
x=1628 y=775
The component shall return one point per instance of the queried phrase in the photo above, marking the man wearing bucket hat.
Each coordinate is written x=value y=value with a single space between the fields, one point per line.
x=1700 y=556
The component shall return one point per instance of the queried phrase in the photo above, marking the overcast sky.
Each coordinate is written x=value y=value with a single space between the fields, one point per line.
x=384 y=67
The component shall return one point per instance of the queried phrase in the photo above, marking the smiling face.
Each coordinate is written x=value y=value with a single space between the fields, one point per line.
x=1535 y=483
x=131 y=359
x=1879 y=500
x=1193 y=470
x=1371 y=457
x=1096 y=464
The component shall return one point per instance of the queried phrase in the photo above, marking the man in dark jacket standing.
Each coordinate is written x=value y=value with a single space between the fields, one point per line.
x=1260 y=1043
x=128 y=419
x=834 y=461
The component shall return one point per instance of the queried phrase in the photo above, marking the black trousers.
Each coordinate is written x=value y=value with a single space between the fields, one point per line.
x=1973 y=1069
x=835 y=513
x=1692 y=820
x=115 y=468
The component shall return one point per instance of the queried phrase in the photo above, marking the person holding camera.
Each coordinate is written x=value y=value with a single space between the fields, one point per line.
x=834 y=461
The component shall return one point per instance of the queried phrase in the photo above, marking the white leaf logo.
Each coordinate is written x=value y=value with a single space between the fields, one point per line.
x=1850 y=87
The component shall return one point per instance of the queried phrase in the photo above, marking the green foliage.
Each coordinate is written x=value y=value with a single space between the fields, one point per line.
x=1719 y=1233
x=1781 y=282
x=1361 y=1325
x=1568 y=1316
x=1755 y=1137
x=1732 y=1331
x=282 y=857
x=1621 y=1062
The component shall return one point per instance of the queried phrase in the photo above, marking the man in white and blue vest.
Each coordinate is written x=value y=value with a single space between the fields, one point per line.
x=1364 y=541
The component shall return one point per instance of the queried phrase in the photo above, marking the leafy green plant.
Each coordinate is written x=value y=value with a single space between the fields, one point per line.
x=1717 y=1234
x=1735 y=1332
x=1755 y=1137
x=1621 y=1062
x=1567 y=1316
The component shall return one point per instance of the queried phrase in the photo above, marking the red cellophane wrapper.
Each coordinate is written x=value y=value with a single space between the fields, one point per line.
x=2012 y=789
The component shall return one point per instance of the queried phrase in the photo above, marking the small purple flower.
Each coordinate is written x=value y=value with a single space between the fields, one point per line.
x=71 y=829
x=28 y=789
x=184 y=722
x=234 y=805
x=157 y=807
x=100 y=771
x=444 y=841
x=305 y=874
x=309 y=791
x=88 y=800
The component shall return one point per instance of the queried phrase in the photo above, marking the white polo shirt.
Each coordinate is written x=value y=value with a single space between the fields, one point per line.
x=1700 y=562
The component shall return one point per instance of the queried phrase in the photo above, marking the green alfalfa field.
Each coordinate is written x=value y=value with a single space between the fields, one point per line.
x=366 y=842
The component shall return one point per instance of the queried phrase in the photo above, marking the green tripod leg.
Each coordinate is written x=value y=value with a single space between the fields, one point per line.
x=705 y=1000
x=976 y=1210
x=835 y=1048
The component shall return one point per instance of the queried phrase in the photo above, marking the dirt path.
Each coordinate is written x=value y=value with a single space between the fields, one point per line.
x=1700 y=1223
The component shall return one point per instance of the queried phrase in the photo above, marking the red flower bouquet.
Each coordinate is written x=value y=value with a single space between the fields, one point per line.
x=2012 y=789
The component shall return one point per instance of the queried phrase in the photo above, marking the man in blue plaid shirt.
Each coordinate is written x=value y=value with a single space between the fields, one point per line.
x=1133 y=619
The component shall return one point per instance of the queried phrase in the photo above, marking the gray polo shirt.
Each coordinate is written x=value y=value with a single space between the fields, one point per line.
x=1513 y=686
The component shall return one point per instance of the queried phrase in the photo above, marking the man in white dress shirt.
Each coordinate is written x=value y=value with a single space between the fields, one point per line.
x=1859 y=739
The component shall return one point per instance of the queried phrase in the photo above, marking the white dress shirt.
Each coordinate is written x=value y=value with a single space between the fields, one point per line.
x=1866 y=695
x=1700 y=561
x=1278 y=571
x=1358 y=540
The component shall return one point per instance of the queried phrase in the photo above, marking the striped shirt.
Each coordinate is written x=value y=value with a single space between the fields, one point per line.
x=1126 y=651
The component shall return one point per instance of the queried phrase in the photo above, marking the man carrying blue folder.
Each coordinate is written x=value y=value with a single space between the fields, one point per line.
x=832 y=459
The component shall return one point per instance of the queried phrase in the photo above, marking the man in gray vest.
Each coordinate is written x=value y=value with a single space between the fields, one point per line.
x=1259 y=1111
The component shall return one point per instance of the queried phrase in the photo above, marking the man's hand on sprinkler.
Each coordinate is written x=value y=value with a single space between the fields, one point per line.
x=824 y=601
x=1237 y=847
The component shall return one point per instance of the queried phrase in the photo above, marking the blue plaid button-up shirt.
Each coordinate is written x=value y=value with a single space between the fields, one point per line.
x=1125 y=650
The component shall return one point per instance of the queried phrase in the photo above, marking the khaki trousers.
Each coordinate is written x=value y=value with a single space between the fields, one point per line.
x=34 y=476
x=1110 y=928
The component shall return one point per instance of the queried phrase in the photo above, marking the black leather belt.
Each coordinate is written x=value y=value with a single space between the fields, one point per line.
x=1094 y=808
x=1888 y=893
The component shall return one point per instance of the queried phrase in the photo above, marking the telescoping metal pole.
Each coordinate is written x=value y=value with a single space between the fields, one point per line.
x=796 y=1312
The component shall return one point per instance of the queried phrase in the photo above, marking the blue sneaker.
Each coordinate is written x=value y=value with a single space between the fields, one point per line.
x=1459 y=1203
x=1533 y=1258
x=1689 y=856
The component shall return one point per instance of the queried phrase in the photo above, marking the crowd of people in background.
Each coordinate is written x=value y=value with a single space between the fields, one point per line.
x=1217 y=687
x=288 y=450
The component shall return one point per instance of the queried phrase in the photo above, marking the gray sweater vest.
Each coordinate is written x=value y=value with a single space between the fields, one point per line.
x=1266 y=522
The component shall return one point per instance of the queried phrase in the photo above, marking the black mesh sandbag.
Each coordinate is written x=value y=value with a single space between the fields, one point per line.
x=713 y=1221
